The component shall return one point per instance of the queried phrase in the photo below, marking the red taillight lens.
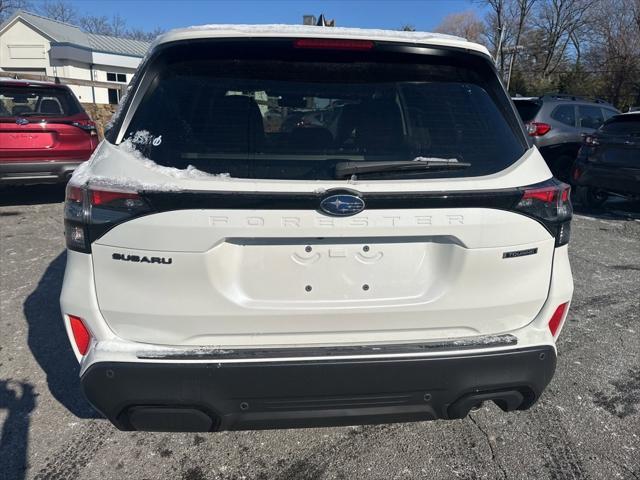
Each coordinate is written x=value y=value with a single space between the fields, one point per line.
x=551 y=204
x=106 y=197
x=333 y=44
x=577 y=173
x=537 y=129
x=81 y=335
x=74 y=194
x=556 y=318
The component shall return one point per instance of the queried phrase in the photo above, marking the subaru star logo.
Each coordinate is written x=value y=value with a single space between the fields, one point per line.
x=22 y=121
x=342 y=205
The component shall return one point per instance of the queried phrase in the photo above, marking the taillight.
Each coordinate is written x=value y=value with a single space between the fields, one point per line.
x=86 y=125
x=81 y=334
x=537 y=129
x=90 y=212
x=551 y=205
x=577 y=173
x=556 y=319
x=333 y=44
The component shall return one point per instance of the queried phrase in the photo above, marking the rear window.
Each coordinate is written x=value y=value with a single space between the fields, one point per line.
x=29 y=101
x=528 y=109
x=623 y=125
x=297 y=118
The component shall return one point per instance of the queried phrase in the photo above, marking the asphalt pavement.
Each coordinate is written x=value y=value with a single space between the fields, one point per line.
x=587 y=424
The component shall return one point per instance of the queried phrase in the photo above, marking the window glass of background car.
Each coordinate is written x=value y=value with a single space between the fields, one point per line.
x=18 y=101
x=527 y=109
x=622 y=126
x=608 y=113
x=565 y=114
x=590 y=117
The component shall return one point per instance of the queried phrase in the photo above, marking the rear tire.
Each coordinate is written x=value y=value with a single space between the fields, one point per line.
x=592 y=197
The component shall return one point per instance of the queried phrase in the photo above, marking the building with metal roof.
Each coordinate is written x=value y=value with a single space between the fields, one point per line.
x=33 y=44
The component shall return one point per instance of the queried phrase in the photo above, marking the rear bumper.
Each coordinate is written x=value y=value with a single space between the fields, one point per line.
x=206 y=396
x=52 y=171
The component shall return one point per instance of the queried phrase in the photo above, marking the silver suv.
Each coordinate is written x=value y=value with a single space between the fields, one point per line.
x=556 y=124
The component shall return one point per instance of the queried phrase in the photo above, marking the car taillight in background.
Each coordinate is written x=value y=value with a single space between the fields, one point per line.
x=91 y=212
x=551 y=205
x=86 y=125
x=591 y=141
x=537 y=129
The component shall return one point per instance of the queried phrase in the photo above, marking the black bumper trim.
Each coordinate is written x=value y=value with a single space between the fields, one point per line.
x=207 y=396
x=39 y=171
x=206 y=353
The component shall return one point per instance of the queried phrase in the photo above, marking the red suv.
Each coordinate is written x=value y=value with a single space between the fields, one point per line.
x=44 y=132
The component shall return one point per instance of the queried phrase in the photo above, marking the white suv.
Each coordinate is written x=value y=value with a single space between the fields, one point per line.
x=304 y=226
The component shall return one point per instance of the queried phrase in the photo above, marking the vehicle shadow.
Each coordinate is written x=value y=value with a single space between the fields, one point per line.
x=49 y=344
x=18 y=399
x=11 y=195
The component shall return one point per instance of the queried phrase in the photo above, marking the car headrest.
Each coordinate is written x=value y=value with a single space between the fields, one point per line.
x=234 y=124
x=50 y=106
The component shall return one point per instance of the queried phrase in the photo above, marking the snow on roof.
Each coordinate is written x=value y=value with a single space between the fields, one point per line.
x=312 y=31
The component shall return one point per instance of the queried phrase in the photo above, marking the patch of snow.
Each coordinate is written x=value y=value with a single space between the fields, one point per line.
x=155 y=351
x=282 y=29
x=129 y=148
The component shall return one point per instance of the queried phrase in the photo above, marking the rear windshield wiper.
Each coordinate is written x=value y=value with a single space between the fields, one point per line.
x=345 y=169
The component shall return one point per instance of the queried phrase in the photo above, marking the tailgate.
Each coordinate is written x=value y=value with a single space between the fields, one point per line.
x=233 y=277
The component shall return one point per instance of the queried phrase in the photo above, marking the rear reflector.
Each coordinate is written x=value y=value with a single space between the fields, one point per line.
x=81 y=335
x=332 y=44
x=556 y=318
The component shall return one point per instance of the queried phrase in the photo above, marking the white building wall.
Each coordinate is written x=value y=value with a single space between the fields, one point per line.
x=23 y=49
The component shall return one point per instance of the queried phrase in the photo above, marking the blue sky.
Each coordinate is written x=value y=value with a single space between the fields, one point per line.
x=148 y=14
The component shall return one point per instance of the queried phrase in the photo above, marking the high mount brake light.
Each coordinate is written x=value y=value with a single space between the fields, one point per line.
x=551 y=205
x=333 y=44
x=537 y=129
x=91 y=212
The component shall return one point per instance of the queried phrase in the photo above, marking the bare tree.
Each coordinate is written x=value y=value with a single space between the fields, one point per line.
x=520 y=11
x=60 y=10
x=464 y=24
x=558 y=22
x=9 y=7
x=497 y=31
x=118 y=25
x=95 y=24
x=408 y=28
x=147 y=36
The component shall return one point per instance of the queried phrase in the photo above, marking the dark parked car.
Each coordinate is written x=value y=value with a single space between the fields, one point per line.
x=609 y=161
x=556 y=123
x=44 y=132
